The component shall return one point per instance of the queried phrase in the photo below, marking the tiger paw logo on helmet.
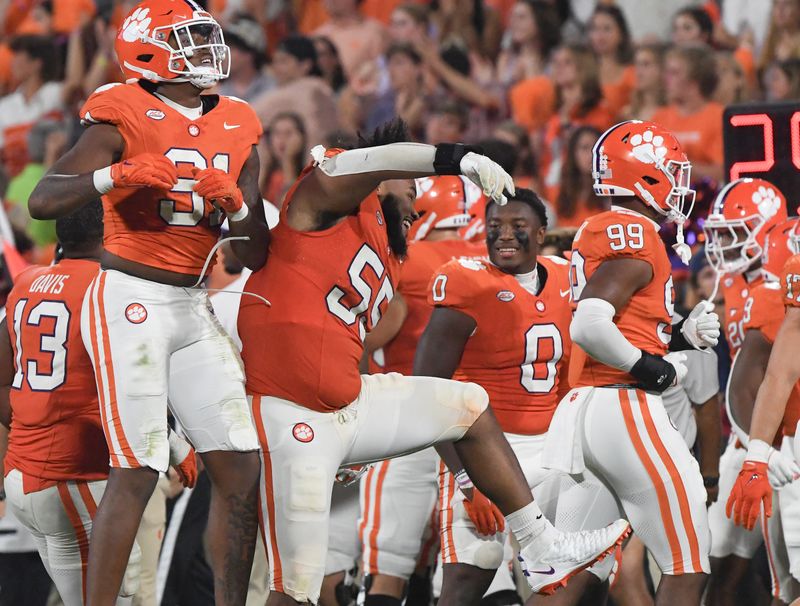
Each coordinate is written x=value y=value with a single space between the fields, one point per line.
x=767 y=201
x=648 y=148
x=136 y=25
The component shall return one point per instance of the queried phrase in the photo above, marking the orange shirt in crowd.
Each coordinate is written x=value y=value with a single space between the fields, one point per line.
x=357 y=43
x=68 y=14
x=312 y=16
x=700 y=133
x=618 y=94
x=532 y=102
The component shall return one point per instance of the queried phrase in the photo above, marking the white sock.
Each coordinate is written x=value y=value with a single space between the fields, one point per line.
x=529 y=524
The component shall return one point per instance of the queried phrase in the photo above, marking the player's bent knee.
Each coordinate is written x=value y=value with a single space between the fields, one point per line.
x=471 y=399
x=236 y=416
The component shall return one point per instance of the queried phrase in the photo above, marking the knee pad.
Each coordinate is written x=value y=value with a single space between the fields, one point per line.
x=309 y=486
x=488 y=555
x=474 y=400
x=239 y=422
x=131 y=580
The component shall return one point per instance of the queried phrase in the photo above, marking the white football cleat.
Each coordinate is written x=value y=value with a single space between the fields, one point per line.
x=570 y=553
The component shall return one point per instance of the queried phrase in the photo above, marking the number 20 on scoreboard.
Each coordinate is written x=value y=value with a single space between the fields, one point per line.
x=763 y=140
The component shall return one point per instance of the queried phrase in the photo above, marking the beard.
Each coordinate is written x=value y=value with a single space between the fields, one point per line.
x=390 y=205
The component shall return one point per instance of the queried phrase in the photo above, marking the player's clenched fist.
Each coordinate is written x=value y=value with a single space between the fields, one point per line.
x=145 y=170
x=751 y=488
x=218 y=186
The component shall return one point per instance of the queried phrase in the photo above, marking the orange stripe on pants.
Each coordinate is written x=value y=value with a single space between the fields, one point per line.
x=127 y=452
x=80 y=531
x=365 y=509
x=376 y=526
x=677 y=482
x=275 y=560
x=773 y=571
x=447 y=490
x=98 y=376
x=655 y=478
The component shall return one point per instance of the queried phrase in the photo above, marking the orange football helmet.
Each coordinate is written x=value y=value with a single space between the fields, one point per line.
x=781 y=242
x=642 y=159
x=737 y=225
x=159 y=37
x=443 y=202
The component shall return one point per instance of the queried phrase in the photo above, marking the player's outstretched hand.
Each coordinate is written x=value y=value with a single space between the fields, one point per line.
x=145 y=170
x=702 y=327
x=488 y=519
x=781 y=469
x=487 y=175
x=750 y=490
x=182 y=459
x=218 y=186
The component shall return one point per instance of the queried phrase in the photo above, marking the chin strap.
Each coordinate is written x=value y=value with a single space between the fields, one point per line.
x=681 y=248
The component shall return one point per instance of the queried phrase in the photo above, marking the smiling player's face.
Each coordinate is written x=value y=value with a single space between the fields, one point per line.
x=513 y=236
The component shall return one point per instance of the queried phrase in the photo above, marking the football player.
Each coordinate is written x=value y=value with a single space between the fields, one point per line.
x=170 y=162
x=333 y=268
x=736 y=229
x=503 y=324
x=760 y=326
x=57 y=460
x=614 y=425
x=398 y=495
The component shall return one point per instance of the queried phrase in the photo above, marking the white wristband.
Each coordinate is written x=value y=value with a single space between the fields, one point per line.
x=463 y=481
x=758 y=451
x=102 y=180
x=239 y=214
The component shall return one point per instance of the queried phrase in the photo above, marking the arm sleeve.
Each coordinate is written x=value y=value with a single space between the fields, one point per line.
x=593 y=329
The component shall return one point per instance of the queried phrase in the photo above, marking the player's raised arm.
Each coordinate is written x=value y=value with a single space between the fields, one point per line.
x=6 y=374
x=91 y=168
x=342 y=180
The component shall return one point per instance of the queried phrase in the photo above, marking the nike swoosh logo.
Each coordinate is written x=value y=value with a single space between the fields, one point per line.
x=546 y=572
x=539 y=517
x=227 y=126
x=564 y=293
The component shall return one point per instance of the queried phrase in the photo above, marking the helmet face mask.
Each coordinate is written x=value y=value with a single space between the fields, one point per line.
x=199 y=37
x=731 y=246
x=736 y=228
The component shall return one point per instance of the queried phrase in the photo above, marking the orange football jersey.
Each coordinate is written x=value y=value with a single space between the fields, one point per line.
x=172 y=230
x=520 y=349
x=424 y=258
x=764 y=311
x=736 y=291
x=646 y=321
x=56 y=432
x=327 y=289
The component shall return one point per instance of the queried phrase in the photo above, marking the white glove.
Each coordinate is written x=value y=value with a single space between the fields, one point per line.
x=487 y=175
x=678 y=360
x=178 y=448
x=701 y=328
x=781 y=469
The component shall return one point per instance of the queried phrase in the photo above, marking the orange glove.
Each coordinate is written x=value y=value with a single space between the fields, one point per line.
x=145 y=170
x=218 y=186
x=484 y=514
x=751 y=489
x=182 y=459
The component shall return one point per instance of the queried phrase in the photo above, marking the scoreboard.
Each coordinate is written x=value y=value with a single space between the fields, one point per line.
x=763 y=140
